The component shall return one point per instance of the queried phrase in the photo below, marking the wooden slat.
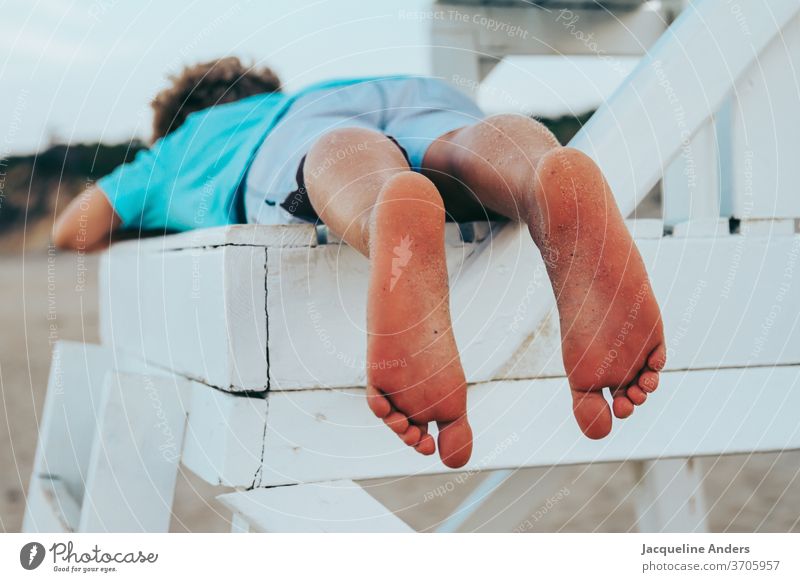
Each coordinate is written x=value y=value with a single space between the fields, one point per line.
x=317 y=322
x=505 y=500
x=642 y=228
x=198 y=312
x=321 y=435
x=702 y=227
x=67 y=430
x=333 y=507
x=669 y=497
x=224 y=437
x=453 y=233
x=691 y=185
x=699 y=283
x=765 y=120
x=673 y=91
x=133 y=466
x=285 y=235
x=767 y=227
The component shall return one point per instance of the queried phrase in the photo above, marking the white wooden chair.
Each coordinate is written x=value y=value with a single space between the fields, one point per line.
x=239 y=351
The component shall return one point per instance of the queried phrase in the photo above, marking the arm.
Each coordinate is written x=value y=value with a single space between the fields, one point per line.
x=86 y=223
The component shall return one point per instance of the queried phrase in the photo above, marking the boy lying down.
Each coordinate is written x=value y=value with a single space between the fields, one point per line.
x=383 y=162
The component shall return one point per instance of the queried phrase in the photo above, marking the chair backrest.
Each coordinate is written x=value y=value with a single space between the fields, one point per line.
x=714 y=51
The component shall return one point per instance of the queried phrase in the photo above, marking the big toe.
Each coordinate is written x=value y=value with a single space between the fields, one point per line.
x=592 y=413
x=455 y=442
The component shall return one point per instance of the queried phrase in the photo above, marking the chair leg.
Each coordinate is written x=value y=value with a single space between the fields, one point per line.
x=134 y=461
x=66 y=433
x=669 y=496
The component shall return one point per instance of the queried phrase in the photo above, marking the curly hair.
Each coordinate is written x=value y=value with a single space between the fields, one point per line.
x=205 y=84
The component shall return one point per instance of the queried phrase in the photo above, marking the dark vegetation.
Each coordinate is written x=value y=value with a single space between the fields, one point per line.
x=32 y=185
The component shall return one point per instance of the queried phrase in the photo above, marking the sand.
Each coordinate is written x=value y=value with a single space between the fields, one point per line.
x=45 y=298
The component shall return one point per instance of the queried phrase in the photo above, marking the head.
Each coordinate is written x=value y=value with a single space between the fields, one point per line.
x=205 y=84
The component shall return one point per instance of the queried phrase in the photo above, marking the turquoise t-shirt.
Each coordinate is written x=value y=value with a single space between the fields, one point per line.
x=190 y=178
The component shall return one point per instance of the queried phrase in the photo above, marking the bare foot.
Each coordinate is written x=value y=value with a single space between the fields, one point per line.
x=611 y=330
x=414 y=374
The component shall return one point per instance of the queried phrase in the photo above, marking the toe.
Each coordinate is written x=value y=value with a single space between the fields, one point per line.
x=426 y=445
x=658 y=358
x=455 y=442
x=637 y=395
x=648 y=381
x=397 y=421
x=592 y=413
x=622 y=405
x=412 y=435
x=377 y=402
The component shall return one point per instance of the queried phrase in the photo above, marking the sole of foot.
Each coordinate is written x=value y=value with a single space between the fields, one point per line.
x=611 y=330
x=414 y=373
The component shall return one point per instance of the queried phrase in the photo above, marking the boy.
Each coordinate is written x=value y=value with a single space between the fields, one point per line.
x=382 y=162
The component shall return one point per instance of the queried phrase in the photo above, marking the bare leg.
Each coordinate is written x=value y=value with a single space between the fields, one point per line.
x=611 y=328
x=360 y=185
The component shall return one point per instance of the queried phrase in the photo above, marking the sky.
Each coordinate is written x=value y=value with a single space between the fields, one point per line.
x=85 y=70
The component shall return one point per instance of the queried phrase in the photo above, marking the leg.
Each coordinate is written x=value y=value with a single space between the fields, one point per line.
x=66 y=433
x=611 y=331
x=361 y=186
x=670 y=496
x=133 y=466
